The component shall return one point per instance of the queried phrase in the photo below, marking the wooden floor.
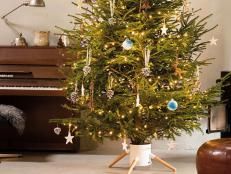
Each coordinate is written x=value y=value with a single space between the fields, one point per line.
x=93 y=164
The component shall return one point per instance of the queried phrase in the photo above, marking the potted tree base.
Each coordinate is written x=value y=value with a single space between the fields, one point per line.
x=142 y=156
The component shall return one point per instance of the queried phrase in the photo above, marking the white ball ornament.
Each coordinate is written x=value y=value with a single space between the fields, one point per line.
x=127 y=44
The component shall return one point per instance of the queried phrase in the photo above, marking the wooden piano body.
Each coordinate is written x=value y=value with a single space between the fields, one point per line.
x=30 y=80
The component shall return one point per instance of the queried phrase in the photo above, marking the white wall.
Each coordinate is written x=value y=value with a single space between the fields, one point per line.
x=28 y=19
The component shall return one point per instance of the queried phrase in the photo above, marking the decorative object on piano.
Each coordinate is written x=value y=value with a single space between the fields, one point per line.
x=140 y=106
x=41 y=38
x=57 y=130
x=31 y=3
x=14 y=116
x=65 y=40
x=20 y=41
x=60 y=43
x=69 y=137
x=87 y=68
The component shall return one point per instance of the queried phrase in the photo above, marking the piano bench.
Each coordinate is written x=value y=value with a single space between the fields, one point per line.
x=214 y=157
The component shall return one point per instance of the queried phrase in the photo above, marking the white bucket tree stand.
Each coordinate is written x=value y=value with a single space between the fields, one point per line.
x=140 y=156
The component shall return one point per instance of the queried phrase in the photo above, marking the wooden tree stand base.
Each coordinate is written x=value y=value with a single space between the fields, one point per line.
x=5 y=156
x=136 y=160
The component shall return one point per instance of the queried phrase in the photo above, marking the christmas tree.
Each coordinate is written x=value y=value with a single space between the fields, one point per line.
x=135 y=70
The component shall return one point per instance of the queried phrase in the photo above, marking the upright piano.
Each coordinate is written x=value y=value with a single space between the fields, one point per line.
x=30 y=80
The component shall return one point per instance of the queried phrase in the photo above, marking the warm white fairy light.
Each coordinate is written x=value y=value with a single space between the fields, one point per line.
x=151 y=107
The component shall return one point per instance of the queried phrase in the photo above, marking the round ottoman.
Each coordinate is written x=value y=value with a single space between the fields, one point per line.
x=214 y=157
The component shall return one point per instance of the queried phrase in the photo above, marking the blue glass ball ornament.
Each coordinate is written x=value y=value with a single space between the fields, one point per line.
x=127 y=44
x=172 y=105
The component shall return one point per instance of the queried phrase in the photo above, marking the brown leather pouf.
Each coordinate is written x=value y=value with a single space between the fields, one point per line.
x=214 y=157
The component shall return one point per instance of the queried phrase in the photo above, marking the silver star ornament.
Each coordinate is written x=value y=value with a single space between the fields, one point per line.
x=213 y=41
x=164 y=30
x=125 y=146
x=69 y=138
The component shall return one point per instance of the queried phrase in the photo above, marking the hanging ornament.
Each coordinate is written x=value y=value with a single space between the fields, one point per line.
x=145 y=5
x=213 y=41
x=112 y=20
x=84 y=42
x=110 y=92
x=146 y=70
x=74 y=95
x=172 y=105
x=57 y=130
x=164 y=29
x=137 y=100
x=178 y=71
x=87 y=68
x=125 y=146
x=91 y=104
x=82 y=90
x=69 y=137
x=127 y=44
